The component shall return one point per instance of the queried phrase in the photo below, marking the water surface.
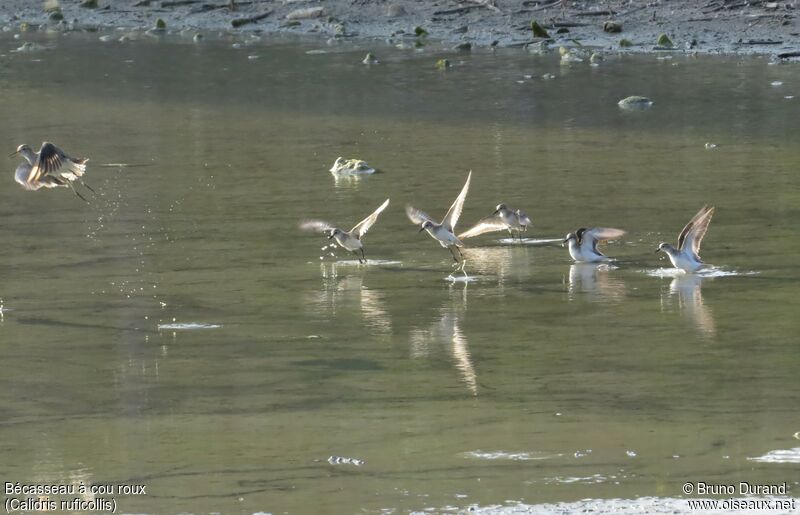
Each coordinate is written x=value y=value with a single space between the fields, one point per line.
x=178 y=331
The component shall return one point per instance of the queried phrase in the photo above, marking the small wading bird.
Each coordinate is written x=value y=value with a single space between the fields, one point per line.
x=49 y=168
x=504 y=217
x=687 y=255
x=443 y=232
x=582 y=243
x=352 y=239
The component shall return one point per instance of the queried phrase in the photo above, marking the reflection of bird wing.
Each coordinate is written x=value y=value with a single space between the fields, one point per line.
x=316 y=225
x=51 y=159
x=363 y=226
x=692 y=235
x=591 y=237
x=418 y=217
x=451 y=218
x=488 y=224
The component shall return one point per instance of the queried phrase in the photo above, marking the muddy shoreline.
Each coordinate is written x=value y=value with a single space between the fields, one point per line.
x=703 y=26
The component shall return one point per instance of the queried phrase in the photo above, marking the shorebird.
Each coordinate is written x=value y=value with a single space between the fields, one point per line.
x=51 y=167
x=443 y=232
x=687 y=255
x=583 y=243
x=504 y=217
x=352 y=239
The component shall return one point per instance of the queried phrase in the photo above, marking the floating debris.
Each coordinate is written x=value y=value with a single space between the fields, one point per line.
x=709 y=146
x=776 y=83
x=582 y=453
x=341 y=460
x=635 y=102
x=548 y=76
x=29 y=47
x=351 y=167
x=632 y=454
x=187 y=326
x=370 y=59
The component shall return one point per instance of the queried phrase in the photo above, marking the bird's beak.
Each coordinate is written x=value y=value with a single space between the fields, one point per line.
x=564 y=241
x=12 y=154
x=495 y=212
x=656 y=252
x=330 y=236
x=421 y=229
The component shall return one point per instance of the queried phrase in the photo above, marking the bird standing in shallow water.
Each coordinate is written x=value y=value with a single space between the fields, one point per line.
x=51 y=167
x=443 y=232
x=582 y=243
x=687 y=255
x=504 y=217
x=352 y=239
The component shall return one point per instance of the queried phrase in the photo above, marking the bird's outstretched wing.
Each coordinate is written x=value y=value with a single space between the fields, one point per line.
x=51 y=160
x=316 y=225
x=489 y=224
x=451 y=218
x=692 y=235
x=363 y=226
x=418 y=217
x=589 y=238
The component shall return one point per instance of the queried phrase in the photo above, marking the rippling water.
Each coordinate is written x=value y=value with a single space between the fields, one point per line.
x=179 y=332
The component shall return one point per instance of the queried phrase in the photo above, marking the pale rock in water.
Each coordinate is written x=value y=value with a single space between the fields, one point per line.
x=635 y=102
x=344 y=166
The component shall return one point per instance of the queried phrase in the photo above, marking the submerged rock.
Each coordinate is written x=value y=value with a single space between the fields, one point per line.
x=370 y=59
x=624 y=43
x=467 y=46
x=612 y=27
x=595 y=58
x=420 y=32
x=197 y=37
x=443 y=64
x=89 y=4
x=635 y=102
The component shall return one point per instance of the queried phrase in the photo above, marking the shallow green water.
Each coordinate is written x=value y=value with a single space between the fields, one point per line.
x=452 y=394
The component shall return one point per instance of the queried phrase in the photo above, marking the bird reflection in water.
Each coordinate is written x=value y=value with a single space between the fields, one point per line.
x=688 y=289
x=447 y=330
x=595 y=281
x=342 y=290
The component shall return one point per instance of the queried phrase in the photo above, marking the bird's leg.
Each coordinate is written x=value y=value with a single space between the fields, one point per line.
x=463 y=265
x=459 y=253
x=453 y=253
x=88 y=187
x=76 y=192
x=363 y=255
